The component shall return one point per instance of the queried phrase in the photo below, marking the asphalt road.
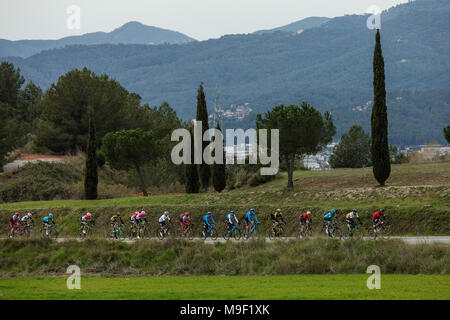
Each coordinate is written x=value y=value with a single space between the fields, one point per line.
x=411 y=240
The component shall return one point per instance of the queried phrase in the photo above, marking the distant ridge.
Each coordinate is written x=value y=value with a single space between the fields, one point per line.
x=130 y=33
x=303 y=24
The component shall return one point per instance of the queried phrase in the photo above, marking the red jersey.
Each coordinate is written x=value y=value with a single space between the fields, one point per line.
x=303 y=216
x=377 y=215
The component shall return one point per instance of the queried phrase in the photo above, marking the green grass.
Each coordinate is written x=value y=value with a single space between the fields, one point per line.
x=298 y=287
x=410 y=185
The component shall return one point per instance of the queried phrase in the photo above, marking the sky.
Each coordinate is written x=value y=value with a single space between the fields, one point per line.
x=200 y=19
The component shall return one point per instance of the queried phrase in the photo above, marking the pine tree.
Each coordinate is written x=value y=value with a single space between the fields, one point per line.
x=202 y=115
x=379 y=121
x=191 y=172
x=91 y=175
x=218 y=171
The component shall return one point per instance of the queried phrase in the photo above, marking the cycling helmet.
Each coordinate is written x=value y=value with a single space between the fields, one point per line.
x=333 y=211
x=186 y=214
x=252 y=210
x=50 y=215
x=143 y=213
x=17 y=214
x=232 y=211
x=29 y=215
x=308 y=213
x=354 y=210
x=209 y=213
x=166 y=213
x=88 y=214
x=382 y=210
x=278 y=210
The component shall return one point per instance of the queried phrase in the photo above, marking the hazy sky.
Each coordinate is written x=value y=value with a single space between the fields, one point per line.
x=200 y=19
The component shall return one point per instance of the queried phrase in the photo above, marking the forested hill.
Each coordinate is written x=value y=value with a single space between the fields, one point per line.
x=330 y=66
x=131 y=32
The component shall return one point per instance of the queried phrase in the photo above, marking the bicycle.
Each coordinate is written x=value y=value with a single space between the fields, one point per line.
x=186 y=231
x=233 y=232
x=161 y=233
x=85 y=229
x=333 y=230
x=116 y=232
x=278 y=232
x=52 y=232
x=353 y=231
x=304 y=231
x=18 y=231
x=382 y=231
x=210 y=232
x=26 y=228
x=142 y=230
x=252 y=231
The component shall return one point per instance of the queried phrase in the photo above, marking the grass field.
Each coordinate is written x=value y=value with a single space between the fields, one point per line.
x=243 y=287
x=409 y=185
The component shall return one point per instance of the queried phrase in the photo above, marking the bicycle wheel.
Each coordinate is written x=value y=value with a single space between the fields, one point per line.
x=226 y=234
x=237 y=234
x=336 y=233
x=213 y=234
x=373 y=234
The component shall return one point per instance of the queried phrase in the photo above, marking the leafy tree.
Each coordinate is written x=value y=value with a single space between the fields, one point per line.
x=219 y=176
x=395 y=156
x=303 y=131
x=64 y=122
x=202 y=115
x=127 y=149
x=91 y=174
x=353 y=150
x=191 y=172
x=447 y=133
x=380 y=147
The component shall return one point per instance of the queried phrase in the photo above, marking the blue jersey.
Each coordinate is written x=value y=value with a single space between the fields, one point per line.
x=330 y=215
x=251 y=215
x=207 y=218
x=47 y=220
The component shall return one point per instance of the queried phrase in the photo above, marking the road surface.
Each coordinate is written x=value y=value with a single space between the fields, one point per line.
x=411 y=240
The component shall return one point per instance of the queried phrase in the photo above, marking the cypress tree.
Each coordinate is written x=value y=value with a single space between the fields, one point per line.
x=91 y=175
x=202 y=115
x=192 y=182
x=218 y=171
x=380 y=147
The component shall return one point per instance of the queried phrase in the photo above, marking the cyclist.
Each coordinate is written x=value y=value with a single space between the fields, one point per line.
x=328 y=219
x=305 y=220
x=250 y=217
x=116 y=222
x=141 y=218
x=164 y=220
x=376 y=218
x=14 y=222
x=48 y=221
x=277 y=218
x=230 y=219
x=85 y=220
x=350 y=220
x=185 y=222
x=27 y=222
x=207 y=220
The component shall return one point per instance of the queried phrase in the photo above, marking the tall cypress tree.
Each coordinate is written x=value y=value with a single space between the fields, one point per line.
x=91 y=174
x=202 y=115
x=218 y=171
x=380 y=147
x=192 y=182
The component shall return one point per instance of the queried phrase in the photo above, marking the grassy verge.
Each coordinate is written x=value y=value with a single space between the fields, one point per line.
x=315 y=256
x=250 y=287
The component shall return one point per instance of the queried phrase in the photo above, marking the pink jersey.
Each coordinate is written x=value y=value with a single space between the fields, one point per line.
x=141 y=215
x=134 y=216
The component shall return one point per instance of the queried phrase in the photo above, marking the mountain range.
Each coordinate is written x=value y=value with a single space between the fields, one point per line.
x=130 y=33
x=328 y=64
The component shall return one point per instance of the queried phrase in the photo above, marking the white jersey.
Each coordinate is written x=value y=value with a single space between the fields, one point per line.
x=164 y=218
x=25 y=218
x=352 y=215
